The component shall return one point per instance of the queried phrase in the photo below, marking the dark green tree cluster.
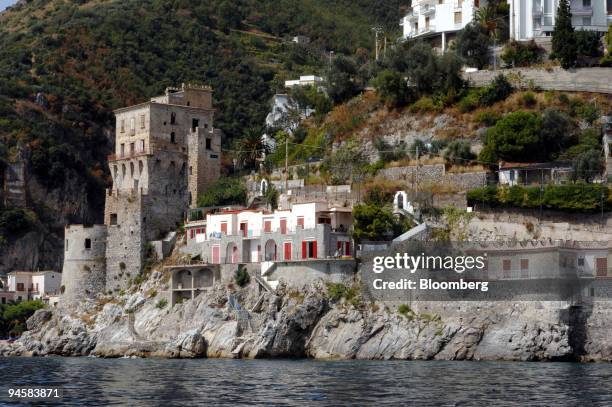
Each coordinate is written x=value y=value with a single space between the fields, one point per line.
x=563 y=39
x=572 y=197
x=225 y=191
x=522 y=54
x=13 y=317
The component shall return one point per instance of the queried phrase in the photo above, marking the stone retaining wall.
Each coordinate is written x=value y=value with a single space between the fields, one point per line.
x=435 y=174
x=574 y=80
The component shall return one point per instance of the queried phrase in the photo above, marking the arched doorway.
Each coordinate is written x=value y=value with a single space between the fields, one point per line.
x=182 y=279
x=231 y=253
x=270 y=250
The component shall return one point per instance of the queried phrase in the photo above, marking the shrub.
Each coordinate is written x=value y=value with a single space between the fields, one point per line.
x=522 y=54
x=337 y=291
x=529 y=99
x=487 y=118
x=161 y=303
x=13 y=317
x=406 y=311
x=388 y=152
x=499 y=89
x=587 y=165
x=458 y=153
x=472 y=44
x=588 y=112
x=563 y=38
x=469 y=102
x=424 y=104
x=391 y=88
x=241 y=276
x=588 y=43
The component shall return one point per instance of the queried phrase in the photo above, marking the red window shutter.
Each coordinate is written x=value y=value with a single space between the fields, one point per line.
x=224 y=227
x=300 y=221
x=339 y=246
x=287 y=251
x=267 y=226
x=283 y=226
x=215 y=255
x=304 y=249
x=191 y=233
x=347 y=248
x=314 y=250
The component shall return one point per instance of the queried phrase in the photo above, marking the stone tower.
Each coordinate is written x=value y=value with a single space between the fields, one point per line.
x=84 y=270
x=166 y=153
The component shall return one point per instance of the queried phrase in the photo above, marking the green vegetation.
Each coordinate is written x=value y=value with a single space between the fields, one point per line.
x=563 y=39
x=405 y=311
x=473 y=45
x=607 y=59
x=572 y=198
x=459 y=153
x=241 y=276
x=339 y=291
x=498 y=90
x=225 y=191
x=391 y=88
x=161 y=304
x=14 y=222
x=522 y=54
x=373 y=220
x=515 y=137
x=13 y=316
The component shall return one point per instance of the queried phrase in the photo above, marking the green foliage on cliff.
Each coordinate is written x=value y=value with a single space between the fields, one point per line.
x=225 y=191
x=572 y=198
x=13 y=316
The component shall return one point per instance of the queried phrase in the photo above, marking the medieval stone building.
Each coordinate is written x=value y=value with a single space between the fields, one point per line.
x=166 y=153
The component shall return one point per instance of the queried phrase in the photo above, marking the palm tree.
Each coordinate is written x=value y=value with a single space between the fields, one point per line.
x=250 y=148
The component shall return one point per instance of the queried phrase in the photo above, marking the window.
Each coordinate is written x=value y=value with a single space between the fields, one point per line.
x=459 y=3
x=601 y=263
x=524 y=268
x=142 y=146
x=122 y=129
x=88 y=243
x=122 y=150
x=586 y=20
x=283 y=226
x=458 y=17
x=66 y=244
x=142 y=121
x=195 y=123
x=172 y=137
x=190 y=170
x=287 y=250
x=113 y=218
x=132 y=124
x=300 y=222
x=20 y=287
x=208 y=144
x=506 y=267
x=132 y=148
x=586 y=3
x=172 y=118
x=581 y=261
x=224 y=227
x=268 y=226
x=3 y=300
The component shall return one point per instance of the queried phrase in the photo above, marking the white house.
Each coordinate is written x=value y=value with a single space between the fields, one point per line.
x=34 y=285
x=532 y=19
x=438 y=20
x=305 y=80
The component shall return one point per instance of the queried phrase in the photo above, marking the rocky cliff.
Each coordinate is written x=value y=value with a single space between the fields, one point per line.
x=309 y=323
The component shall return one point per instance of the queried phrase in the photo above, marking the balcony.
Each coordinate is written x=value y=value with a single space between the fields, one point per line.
x=582 y=11
x=130 y=154
x=537 y=10
x=428 y=9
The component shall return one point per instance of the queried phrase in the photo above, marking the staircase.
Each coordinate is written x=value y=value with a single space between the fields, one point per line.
x=414 y=233
x=267 y=267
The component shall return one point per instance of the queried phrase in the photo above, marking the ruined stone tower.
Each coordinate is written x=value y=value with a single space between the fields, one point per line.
x=84 y=270
x=166 y=154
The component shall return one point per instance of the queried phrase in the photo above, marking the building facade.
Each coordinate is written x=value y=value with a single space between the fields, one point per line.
x=532 y=19
x=438 y=20
x=33 y=285
x=304 y=232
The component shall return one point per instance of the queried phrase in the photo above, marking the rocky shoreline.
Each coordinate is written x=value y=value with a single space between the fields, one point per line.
x=309 y=323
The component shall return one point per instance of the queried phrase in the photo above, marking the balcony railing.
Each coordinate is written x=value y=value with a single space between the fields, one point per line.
x=129 y=154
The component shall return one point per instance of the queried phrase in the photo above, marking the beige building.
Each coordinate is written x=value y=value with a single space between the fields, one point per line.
x=34 y=285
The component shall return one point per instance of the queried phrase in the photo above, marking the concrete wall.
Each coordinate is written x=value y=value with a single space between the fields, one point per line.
x=84 y=271
x=300 y=273
x=576 y=80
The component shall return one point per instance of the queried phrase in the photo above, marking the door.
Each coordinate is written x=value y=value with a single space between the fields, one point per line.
x=244 y=229
x=287 y=250
x=215 y=254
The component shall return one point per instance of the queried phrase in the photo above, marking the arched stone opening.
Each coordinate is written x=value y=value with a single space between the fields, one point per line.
x=182 y=279
x=270 y=250
x=204 y=278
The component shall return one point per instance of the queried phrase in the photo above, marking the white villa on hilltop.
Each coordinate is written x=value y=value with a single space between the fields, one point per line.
x=438 y=20
x=533 y=19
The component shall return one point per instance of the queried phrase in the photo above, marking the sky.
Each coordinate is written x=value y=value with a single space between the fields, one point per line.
x=5 y=3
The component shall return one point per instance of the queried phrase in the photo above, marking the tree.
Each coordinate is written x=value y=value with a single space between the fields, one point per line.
x=271 y=197
x=458 y=153
x=341 y=84
x=224 y=191
x=422 y=68
x=391 y=88
x=588 y=43
x=346 y=164
x=587 y=166
x=372 y=222
x=557 y=131
x=250 y=148
x=229 y=16
x=563 y=37
x=607 y=59
x=515 y=137
x=472 y=45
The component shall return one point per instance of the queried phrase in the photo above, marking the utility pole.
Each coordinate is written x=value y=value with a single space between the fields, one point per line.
x=376 y=30
x=331 y=54
x=417 y=170
x=286 y=164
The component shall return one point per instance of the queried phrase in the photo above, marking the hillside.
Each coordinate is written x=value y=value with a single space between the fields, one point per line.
x=65 y=65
